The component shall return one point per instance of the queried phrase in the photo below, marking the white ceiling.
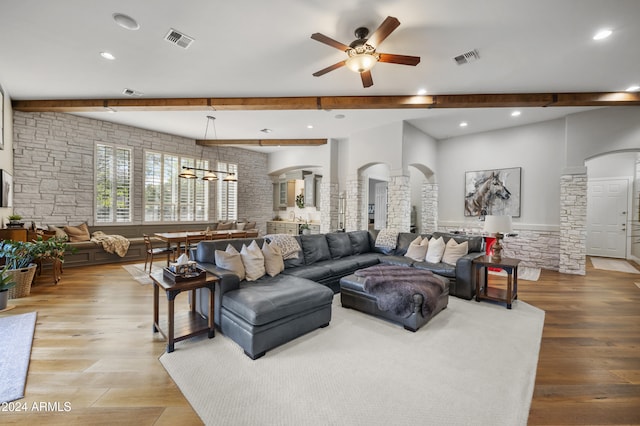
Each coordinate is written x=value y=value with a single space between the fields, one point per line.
x=249 y=48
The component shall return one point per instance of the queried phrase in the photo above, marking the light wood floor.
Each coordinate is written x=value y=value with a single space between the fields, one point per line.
x=94 y=349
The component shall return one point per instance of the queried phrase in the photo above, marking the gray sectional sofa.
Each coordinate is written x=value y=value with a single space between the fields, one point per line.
x=260 y=315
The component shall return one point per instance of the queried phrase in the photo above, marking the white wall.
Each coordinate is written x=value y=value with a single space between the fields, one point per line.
x=376 y=145
x=602 y=130
x=536 y=148
x=300 y=157
x=622 y=164
x=6 y=155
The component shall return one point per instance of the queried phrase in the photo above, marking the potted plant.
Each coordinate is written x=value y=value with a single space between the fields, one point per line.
x=19 y=257
x=304 y=228
x=52 y=250
x=6 y=283
x=14 y=221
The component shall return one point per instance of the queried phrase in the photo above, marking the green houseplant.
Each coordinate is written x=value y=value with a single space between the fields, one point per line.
x=22 y=260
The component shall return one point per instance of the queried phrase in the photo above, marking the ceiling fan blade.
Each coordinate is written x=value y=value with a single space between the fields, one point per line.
x=367 y=80
x=399 y=59
x=329 y=41
x=329 y=69
x=383 y=31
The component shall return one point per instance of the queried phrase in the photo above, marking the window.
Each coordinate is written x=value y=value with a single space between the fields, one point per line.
x=227 y=193
x=167 y=198
x=113 y=184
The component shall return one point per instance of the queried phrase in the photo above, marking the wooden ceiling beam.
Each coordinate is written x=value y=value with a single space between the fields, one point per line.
x=504 y=100
x=262 y=142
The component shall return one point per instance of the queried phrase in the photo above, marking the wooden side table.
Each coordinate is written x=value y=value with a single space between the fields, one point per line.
x=510 y=266
x=194 y=324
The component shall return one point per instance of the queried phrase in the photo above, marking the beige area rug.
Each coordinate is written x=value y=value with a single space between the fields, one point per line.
x=16 y=335
x=618 y=265
x=524 y=273
x=139 y=274
x=473 y=364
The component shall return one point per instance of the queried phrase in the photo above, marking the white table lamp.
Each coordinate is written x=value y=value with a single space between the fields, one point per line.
x=498 y=225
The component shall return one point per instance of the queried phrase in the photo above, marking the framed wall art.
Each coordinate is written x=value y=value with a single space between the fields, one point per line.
x=493 y=192
x=6 y=189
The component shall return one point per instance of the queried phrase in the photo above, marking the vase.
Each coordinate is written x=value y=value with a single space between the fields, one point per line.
x=4 y=298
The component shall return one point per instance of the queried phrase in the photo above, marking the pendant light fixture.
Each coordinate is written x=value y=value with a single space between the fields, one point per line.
x=210 y=174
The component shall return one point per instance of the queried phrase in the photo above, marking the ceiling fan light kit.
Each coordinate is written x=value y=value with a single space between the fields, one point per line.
x=362 y=55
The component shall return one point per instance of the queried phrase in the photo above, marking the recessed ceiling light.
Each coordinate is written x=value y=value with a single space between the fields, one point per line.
x=422 y=92
x=464 y=124
x=602 y=34
x=634 y=88
x=339 y=116
x=265 y=130
x=516 y=113
x=126 y=21
x=107 y=55
x=309 y=126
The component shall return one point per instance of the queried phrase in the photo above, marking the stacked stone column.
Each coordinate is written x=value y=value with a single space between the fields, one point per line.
x=329 y=198
x=399 y=203
x=429 y=221
x=573 y=224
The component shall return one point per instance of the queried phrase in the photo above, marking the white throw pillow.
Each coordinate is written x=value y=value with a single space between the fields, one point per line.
x=231 y=260
x=418 y=249
x=253 y=261
x=454 y=251
x=435 y=250
x=273 y=261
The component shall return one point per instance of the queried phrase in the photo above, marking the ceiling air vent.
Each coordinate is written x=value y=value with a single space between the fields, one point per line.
x=467 y=57
x=178 y=38
x=131 y=92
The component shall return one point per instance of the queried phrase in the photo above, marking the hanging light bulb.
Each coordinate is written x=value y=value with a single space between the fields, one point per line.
x=210 y=175
x=187 y=173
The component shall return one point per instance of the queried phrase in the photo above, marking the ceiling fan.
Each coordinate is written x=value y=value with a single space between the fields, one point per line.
x=362 y=54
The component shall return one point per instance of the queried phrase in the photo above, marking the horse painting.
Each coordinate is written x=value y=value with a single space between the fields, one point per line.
x=484 y=198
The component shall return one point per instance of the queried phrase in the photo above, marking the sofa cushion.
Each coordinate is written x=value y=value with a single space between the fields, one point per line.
x=475 y=241
x=289 y=244
x=343 y=266
x=339 y=244
x=418 y=249
x=386 y=241
x=273 y=262
x=78 y=233
x=230 y=260
x=368 y=259
x=315 y=272
x=443 y=269
x=59 y=232
x=435 y=250
x=397 y=260
x=404 y=241
x=223 y=226
x=276 y=298
x=315 y=248
x=359 y=242
x=454 y=251
x=253 y=261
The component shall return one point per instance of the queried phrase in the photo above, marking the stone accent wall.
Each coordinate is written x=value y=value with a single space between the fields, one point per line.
x=54 y=167
x=399 y=203
x=353 y=214
x=328 y=206
x=540 y=249
x=429 y=221
x=573 y=224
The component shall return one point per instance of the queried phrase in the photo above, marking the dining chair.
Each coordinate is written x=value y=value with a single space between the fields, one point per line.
x=153 y=251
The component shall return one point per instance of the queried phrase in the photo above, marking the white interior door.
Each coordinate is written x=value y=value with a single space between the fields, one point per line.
x=607 y=203
x=380 y=216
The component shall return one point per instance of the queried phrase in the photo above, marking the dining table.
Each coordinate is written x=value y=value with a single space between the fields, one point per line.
x=181 y=237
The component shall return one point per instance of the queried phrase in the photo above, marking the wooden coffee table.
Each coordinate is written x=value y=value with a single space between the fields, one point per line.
x=191 y=324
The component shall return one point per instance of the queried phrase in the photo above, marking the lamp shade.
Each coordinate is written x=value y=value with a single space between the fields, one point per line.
x=361 y=62
x=187 y=173
x=210 y=176
x=497 y=224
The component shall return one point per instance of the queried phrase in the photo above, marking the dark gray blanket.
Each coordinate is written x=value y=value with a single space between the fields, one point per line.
x=394 y=287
